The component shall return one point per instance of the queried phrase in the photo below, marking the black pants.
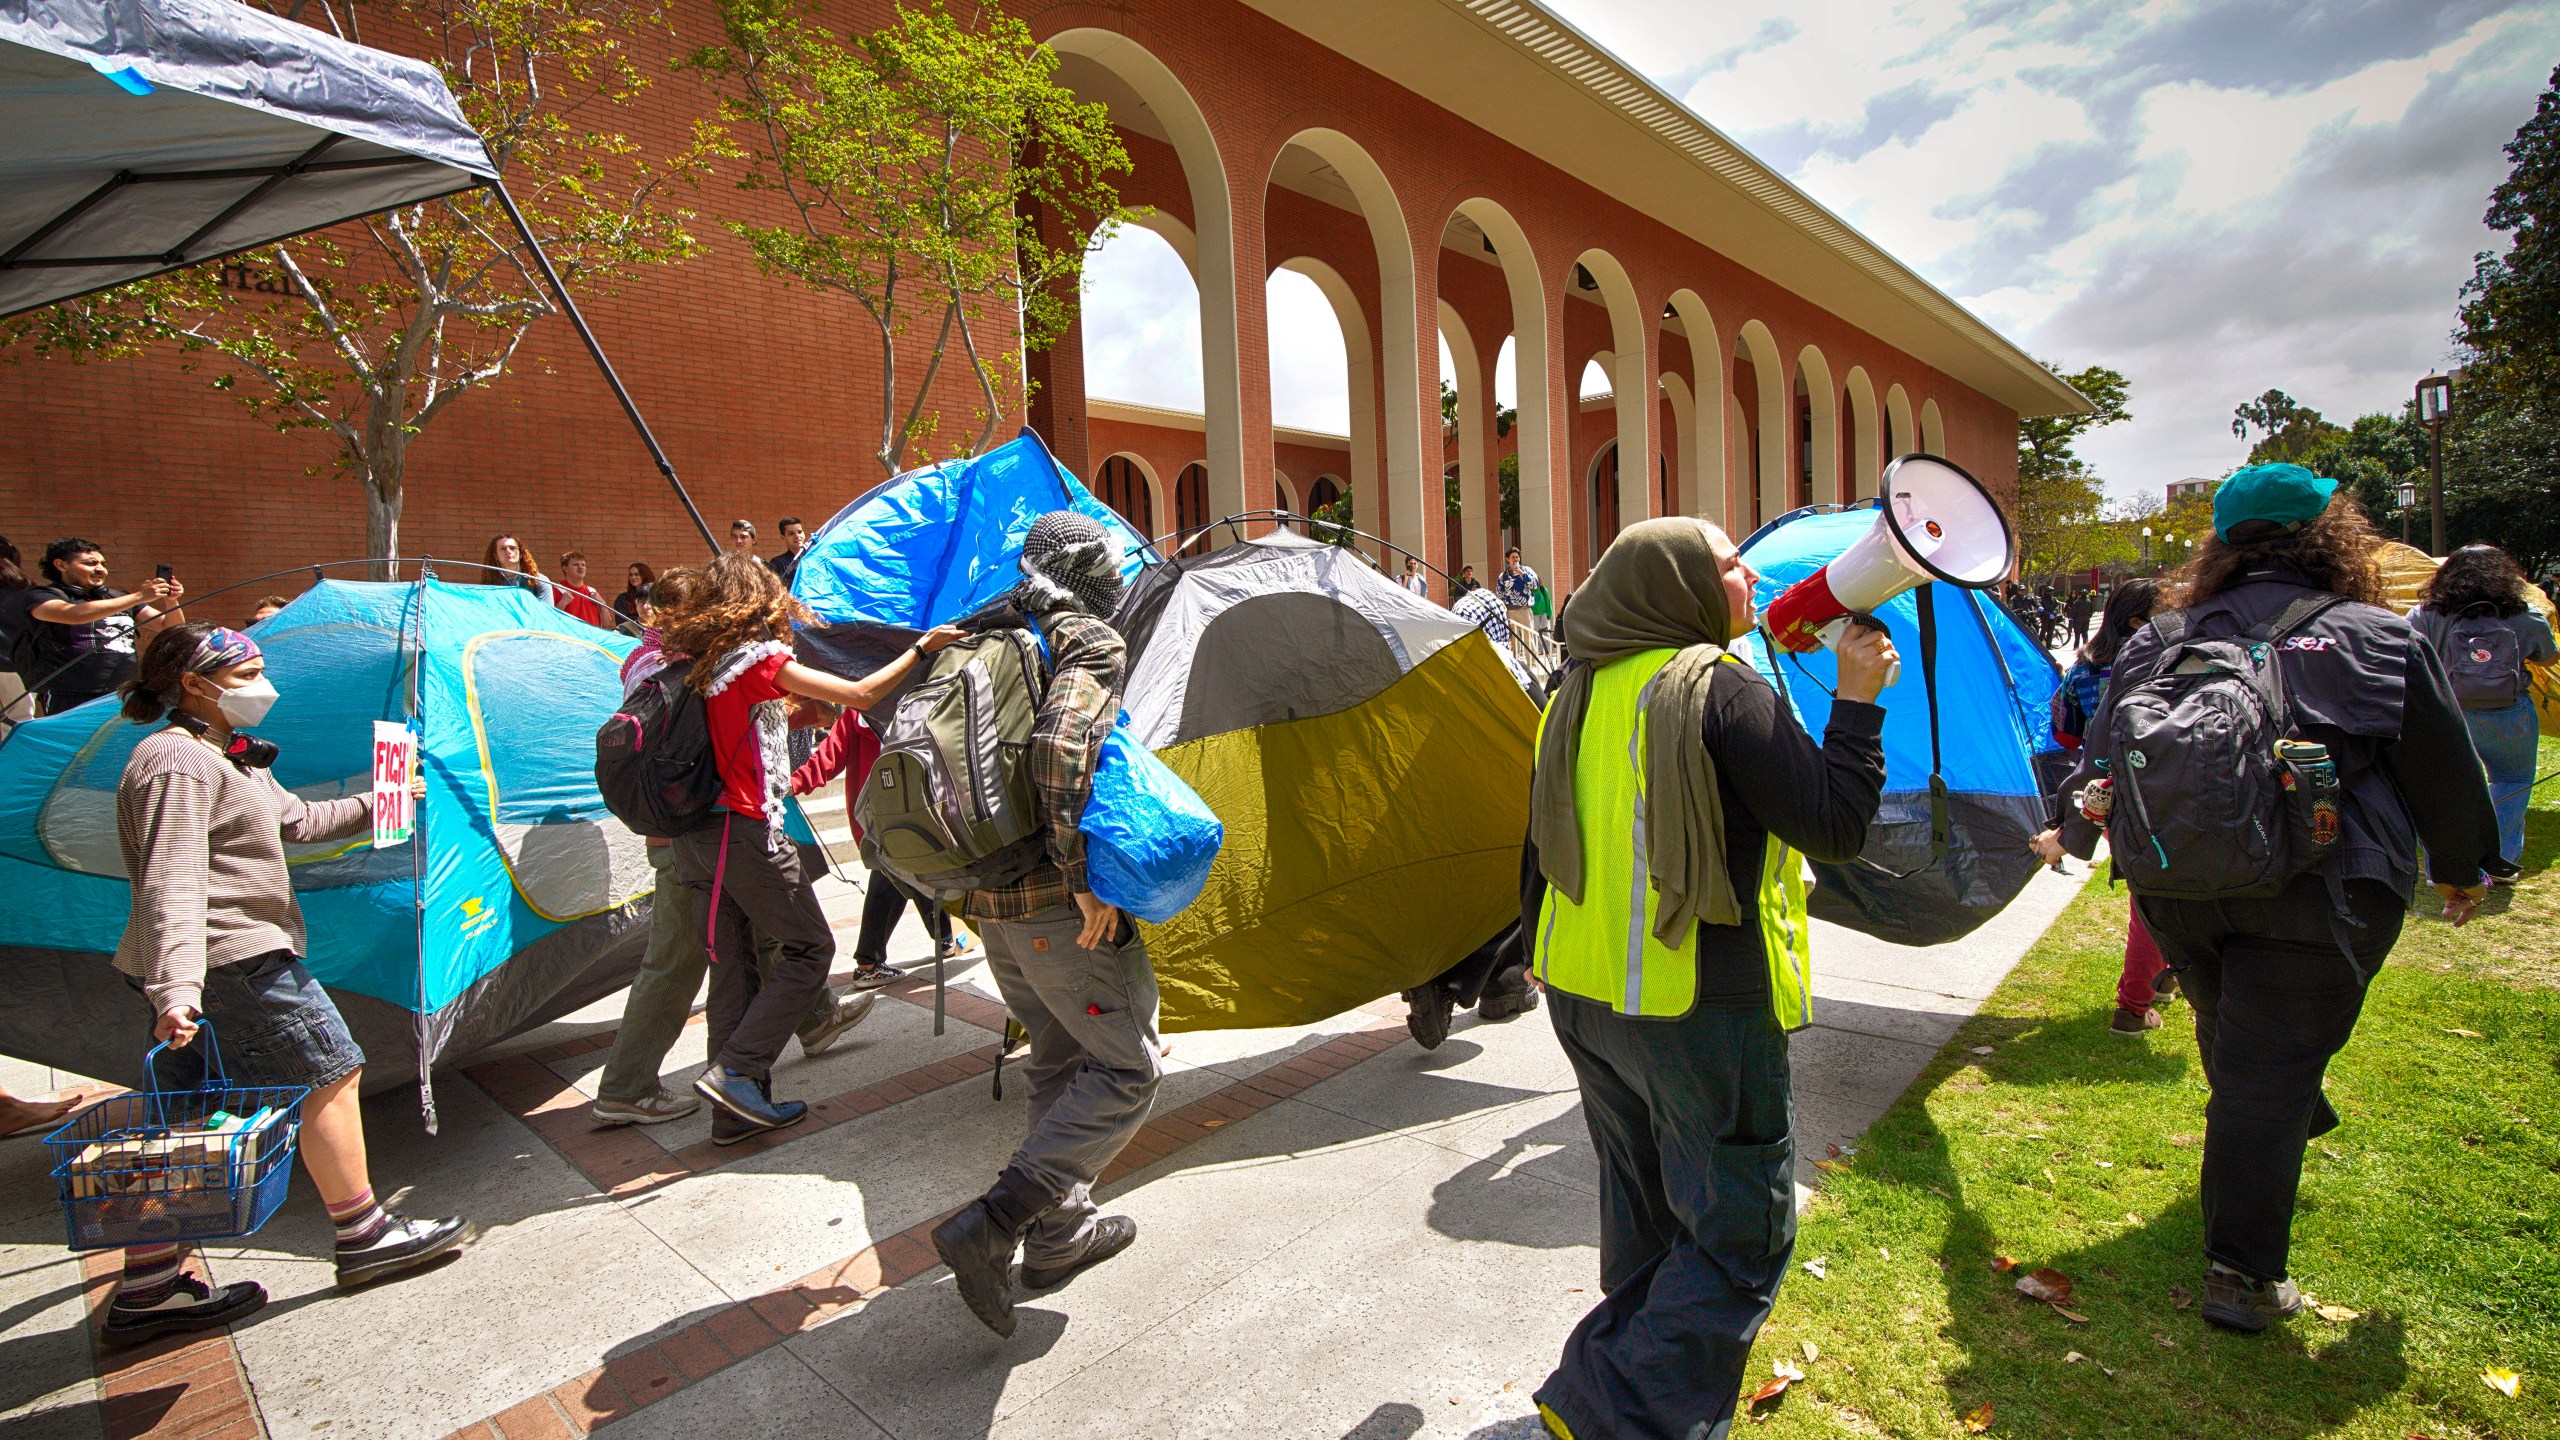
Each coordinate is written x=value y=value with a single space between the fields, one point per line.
x=752 y=1014
x=1694 y=1123
x=882 y=902
x=1500 y=966
x=2274 y=999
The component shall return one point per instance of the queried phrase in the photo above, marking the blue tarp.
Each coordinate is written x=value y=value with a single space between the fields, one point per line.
x=1995 y=691
x=517 y=846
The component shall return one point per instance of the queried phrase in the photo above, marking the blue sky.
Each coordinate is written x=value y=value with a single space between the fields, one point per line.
x=2213 y=197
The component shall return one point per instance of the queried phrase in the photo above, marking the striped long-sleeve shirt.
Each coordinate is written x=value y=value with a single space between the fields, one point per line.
x=203 y=843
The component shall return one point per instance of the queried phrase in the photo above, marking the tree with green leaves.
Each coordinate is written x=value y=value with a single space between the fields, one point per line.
x=2502 y=442
x=935 y=175
x=2060 y=498
x=2287 y=428
x=371 y=331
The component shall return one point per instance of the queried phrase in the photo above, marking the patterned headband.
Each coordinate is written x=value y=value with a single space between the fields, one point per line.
x=221 y=649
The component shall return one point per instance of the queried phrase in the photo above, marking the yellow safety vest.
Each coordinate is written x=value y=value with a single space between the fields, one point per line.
x=1604 y=948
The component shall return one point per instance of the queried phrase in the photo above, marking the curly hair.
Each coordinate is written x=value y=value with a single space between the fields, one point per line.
x=497 y=571
x=735 y=600
x=2336 y=551
x=2476 y=575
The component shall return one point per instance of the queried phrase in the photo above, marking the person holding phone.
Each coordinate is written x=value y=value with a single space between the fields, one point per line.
x=85 y=630
x=215 y=939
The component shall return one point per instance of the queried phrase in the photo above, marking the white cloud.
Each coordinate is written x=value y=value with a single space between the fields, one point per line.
x=1141 y=323
x=1310 y=371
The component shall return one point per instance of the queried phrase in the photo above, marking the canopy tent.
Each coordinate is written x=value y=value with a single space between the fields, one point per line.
x=1361 y=745
x=536 y=900
x=1962 y=733
x=141 y=136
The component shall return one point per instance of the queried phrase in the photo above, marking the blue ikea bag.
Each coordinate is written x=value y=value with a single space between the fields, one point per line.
x=1149 y=838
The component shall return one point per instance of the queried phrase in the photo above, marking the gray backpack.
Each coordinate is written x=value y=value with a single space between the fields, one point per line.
x=949 y=807
x=2217 y=798
x=2482 y=660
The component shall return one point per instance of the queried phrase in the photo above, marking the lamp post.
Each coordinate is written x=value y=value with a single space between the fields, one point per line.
x=2146 y=548
x=2408 y=502
x=2435 y=399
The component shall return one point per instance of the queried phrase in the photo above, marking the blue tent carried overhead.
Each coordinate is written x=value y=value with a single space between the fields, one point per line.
x=1962 y=733
x=535 y=899
x=933 y=546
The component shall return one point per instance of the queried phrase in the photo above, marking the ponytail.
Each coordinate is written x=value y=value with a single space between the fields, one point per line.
x=153 y=690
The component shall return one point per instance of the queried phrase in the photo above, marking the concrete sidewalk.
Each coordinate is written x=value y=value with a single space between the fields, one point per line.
x=1340 y=1235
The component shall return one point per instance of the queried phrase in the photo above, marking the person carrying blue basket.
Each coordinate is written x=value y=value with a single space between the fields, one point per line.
x=216 y=939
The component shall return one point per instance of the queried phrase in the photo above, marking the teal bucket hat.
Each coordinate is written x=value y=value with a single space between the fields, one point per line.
x=2282 y=495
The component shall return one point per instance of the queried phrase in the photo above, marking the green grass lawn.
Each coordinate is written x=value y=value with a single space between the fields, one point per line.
x=2433 y=1212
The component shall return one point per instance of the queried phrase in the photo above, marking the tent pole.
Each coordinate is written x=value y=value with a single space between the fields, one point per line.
x=422 y=1041
x=569 y=308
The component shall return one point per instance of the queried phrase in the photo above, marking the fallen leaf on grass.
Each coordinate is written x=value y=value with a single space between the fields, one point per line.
x=1782 y=1374
x=1812 y=1352
x=2050 y=1286
x=2336 y=1314
x=2163 y=1341
x=2002 y=1264
x=2106 y=1164
x=2466 y=1034
x=2181 y=1297
x=1880 y=1250
x=1828 y=1165
x=2073 y=1357
x=1978 y=1419
x=1786 y=1370
x=2182 y=1141
x=1981 y=1049
x=2074 y=1316
x=2505 y=1382
x=1817 y=1267
x=1832 y=1150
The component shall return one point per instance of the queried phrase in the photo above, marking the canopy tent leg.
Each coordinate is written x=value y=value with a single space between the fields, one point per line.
x=569 y=308
x=426 y=1038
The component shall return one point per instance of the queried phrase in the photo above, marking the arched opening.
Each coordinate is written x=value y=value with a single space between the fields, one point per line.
x=1454 y=527
x=1866 y=444
x=1410 y=487
x=1602 y=526
x=1148 y=101
x=1140 y=323
x=1287 y=491
x=1124 y=483
x=1462 y=370
x=1760 y=386
x=1191 y=499
x=1902 y=437
x=1933 y=431
x=1597 y=278
x=1323 y=491
x=1539 y=428
x=1324 y=368
x=1818 y=429
x=1698 y=413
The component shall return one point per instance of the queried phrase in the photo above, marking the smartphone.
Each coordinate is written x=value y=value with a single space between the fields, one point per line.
x=164 y=572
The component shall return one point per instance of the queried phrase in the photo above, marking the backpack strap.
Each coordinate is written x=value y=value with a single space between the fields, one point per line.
x=2294 y=616
x=1941 y=828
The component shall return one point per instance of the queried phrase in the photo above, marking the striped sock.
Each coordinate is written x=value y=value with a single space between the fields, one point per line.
x=150 y=1273
x=359 y=1218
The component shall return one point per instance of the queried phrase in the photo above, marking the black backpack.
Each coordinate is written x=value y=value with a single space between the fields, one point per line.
x=2482 y=659
x=653 y=757
x=2216 y=795
x=18 y=633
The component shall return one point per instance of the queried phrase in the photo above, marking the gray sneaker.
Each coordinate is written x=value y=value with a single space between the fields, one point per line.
x=653 y=1109
x=850 y=1010
x=2236 y=1302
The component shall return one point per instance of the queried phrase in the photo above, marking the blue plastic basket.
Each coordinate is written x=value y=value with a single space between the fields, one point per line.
x=172 y=1192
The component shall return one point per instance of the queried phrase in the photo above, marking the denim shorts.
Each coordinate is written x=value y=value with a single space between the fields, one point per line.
x=273 y=1024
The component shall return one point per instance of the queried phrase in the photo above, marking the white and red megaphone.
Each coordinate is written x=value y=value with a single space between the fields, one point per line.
x=1935 y=523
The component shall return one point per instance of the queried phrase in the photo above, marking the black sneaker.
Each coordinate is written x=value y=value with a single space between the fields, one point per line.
x=2236 y=1302
x=1503 y=1004
x=401 y=1244
x=872 y=977
x=1427 y=1015
x=191 y=1304
x=1111 y=1235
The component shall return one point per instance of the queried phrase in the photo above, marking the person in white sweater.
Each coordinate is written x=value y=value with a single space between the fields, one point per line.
x=215 y=938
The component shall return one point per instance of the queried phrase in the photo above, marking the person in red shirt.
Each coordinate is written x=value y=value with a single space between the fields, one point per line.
x=754 y=877
x=573 y=594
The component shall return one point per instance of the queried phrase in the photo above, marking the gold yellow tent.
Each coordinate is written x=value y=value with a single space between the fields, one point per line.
x=1368 y=753
x=2406 y=570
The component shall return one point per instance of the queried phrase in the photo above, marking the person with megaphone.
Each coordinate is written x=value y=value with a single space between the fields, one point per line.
x=1673 y=793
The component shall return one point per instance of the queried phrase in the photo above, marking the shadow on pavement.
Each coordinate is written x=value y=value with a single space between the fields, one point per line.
x=1394 y=1420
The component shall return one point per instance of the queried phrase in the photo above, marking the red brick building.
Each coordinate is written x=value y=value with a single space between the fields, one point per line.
x=1472 y=169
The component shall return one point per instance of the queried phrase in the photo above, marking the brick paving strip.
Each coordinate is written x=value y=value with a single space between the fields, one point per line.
x=708 y=1346
x=179 y=1387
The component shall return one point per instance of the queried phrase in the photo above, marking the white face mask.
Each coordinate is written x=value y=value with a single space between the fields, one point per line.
x=249 y=704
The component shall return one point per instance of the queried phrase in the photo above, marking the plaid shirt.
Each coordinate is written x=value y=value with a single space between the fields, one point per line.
x=1089 y=663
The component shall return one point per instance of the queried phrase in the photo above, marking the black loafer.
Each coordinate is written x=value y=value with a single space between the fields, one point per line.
x=191 y=1305
x=404 y=1244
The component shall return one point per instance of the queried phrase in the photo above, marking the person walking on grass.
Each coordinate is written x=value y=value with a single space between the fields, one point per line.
x=2278 y=980
x=2475 y=615
x=848 y=750
x=1665 y=905
x=215 y=939
x=1072 y=969
x=754 y=879
x=2145 y=982
x=660 y=1000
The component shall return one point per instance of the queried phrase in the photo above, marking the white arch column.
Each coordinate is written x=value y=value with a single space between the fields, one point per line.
x=1361 y=367
x=1702 y=439
x=1475 y=403
x=1631 y=384
x=1769 y=464
x=1866 y=447
x=1814 y=373
x=1539 y=423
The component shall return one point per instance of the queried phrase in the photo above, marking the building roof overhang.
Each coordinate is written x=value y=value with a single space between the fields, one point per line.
x=1515 y=70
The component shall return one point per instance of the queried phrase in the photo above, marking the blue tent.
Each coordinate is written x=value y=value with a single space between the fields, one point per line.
x=536 y=899
x=1962 y=733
